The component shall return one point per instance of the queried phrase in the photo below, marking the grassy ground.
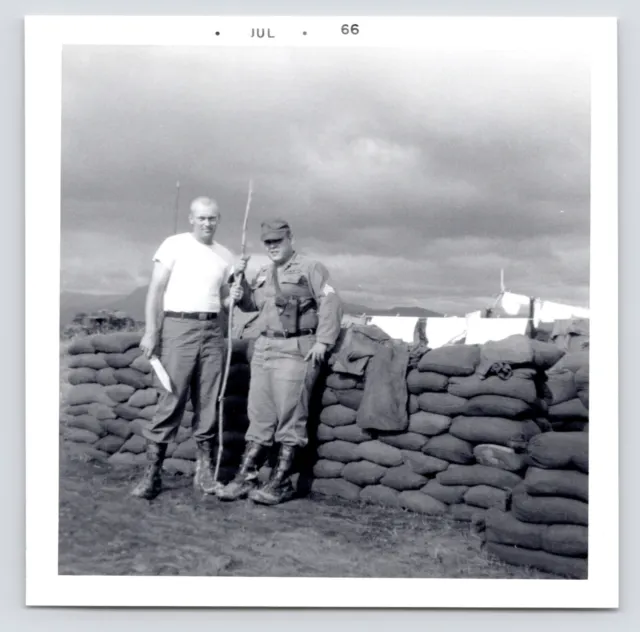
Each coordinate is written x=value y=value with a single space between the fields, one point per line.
x=104 y=531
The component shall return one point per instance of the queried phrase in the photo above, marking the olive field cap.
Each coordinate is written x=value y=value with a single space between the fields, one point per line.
x=274 y=229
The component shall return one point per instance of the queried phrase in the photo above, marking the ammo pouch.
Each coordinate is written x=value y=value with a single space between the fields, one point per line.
x=289 y=313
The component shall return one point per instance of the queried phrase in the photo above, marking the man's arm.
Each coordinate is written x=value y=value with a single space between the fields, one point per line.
x=330 y=308
x=153 y=307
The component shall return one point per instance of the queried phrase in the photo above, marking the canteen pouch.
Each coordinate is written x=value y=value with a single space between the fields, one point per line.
x=288 y=308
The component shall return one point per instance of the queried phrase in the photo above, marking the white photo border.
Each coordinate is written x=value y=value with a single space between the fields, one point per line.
x=44 y=38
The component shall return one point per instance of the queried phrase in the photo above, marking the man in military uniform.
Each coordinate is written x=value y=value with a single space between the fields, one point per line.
x=300 y=315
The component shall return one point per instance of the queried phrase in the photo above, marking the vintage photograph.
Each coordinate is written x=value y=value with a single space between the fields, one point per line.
x=325 y=312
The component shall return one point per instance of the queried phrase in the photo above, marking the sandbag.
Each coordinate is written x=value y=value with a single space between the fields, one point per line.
x=149 y=411
x=74 y=411
x=449 y=448
x=94 y=361
x=329 y=398
x=571 y=567
x=109 y=444
x=422 y=463
x=352 y=433
x=380 y=453
x=572 y=361
x=499 y=456
x=106 y=377
x=101 y=411
x=454 y=360
x=497 y=406
x=560 y=387
x=560 y=450
x=337 y=415
x=548 y=509
x=118 y=427
x=134 y=378
x=118 y=342
x=135 y=444
x=422 y=503
x=182 y=435
x=515 y=350
x=337 y=382
x=138 y=425
x=442 y=404
x=122 y=360
x=337 y=450
x=545 y=354
x=404 y=440
x=496 y=430
x=363 y=473
x=327 y=469
x=402 y=478
x=429 y=424
x=473 y=475
x=119 y=393
x=351 y=398
x=381 y=495
x=81 y=435
x=81 y=346
x=127 y=412
x=426 y=381
x=336 y=487
x=566 y=539
x=504 y=528
x=85 y=452
x=179 y=466
x=583 y=396
x=582 y=378
x=412 y=407
x=565 y=483
x=466 y=513
x=186 y=450
x=87 y=394
x=142 y=364
x=127 y=459
x=515 y=387
x=486 y=497
x=325 y=433
x=571 y=410
x=447 y=494
x=146 y=397
x=86 y=422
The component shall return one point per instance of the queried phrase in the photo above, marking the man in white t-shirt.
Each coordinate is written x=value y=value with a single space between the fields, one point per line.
x=187 y=292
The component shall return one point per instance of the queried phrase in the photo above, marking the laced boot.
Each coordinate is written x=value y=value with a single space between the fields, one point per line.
x=204 y=478
x=247 y=476
x=150 y=485
x=278 y=488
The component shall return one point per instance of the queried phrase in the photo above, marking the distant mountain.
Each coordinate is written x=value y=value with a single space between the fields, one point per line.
x=133 y=304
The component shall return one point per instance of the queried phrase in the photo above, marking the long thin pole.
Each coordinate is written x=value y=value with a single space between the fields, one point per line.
x=176 y=210
x=227 y=368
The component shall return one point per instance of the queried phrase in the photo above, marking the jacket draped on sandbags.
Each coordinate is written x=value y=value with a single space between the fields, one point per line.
x=366 y=351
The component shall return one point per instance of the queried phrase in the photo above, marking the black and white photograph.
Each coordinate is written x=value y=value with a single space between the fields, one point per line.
x=329 y=311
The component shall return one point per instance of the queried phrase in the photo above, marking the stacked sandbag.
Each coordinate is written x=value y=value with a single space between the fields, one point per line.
x=567 y=392
x=114 y=392
x=546 y=525
x=484 y=418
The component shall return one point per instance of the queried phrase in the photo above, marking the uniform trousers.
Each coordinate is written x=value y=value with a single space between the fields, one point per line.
x=280 y=389
x=193 y=353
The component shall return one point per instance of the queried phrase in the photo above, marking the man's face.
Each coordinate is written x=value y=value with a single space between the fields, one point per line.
x=205 y=222
x=279 y=250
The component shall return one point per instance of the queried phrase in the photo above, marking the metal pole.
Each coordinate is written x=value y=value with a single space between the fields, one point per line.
x=177 y=208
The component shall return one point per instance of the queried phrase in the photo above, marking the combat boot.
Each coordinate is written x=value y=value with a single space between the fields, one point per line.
x=279 y=487
x=204 y=478
x=151 y=483
x=247 y=476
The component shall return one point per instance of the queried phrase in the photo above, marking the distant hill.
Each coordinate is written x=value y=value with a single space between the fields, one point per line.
x=133 y=304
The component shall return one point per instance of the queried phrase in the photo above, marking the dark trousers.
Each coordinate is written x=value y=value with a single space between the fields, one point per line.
x=193 y=353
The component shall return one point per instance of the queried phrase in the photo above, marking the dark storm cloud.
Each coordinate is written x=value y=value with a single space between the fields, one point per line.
x=414 y=177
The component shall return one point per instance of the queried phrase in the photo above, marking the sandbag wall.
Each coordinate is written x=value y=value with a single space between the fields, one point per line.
x=462 y=451
x=114 y=392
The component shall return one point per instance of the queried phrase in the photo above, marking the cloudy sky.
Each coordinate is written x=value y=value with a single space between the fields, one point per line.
x=414 y=177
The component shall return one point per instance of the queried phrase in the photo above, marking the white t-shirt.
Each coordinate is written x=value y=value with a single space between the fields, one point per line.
x=197 y=273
